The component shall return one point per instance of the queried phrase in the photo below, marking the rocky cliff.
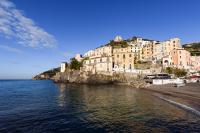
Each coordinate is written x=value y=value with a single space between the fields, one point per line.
x=76 y=76
x=82 y=77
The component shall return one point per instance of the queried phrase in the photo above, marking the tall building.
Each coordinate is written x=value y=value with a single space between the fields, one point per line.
x=136 y=49
x=147 y=51
x=123 y=59
x=163 y=49
x=178 y=58
x=142 y=48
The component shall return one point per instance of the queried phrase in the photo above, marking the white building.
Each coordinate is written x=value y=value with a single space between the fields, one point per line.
x=136 y=48
x=99 y=60
x=63 y=67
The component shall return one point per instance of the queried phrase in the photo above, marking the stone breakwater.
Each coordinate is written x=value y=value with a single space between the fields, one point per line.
x=80 y=77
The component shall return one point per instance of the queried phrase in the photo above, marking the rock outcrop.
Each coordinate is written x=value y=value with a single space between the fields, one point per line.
x=76 y=76
x=80 y=77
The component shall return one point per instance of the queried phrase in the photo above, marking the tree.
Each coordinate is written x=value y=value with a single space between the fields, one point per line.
x=124 y=44
x=179 y=72
x=74 y=64
x=112 y=43
x=169 y=70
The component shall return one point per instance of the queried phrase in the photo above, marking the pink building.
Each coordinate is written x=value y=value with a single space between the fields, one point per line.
x=178 y=58
x=195 y=61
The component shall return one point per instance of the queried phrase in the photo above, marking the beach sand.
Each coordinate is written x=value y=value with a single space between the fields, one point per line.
x=188 y=95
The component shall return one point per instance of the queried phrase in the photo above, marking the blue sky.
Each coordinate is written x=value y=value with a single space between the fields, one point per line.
x=36 y=35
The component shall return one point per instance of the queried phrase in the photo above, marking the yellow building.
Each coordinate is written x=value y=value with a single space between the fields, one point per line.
x=147 y=51
x=172 y=44
x=123 y=59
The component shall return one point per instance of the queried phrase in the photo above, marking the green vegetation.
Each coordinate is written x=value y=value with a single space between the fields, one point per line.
x=51 y=72
x=177 y=72
x=169 y=70
x=75 y=65
x=112 y=43
x=122 y=44
x=47 y=74
x=193 y=48
x=142 y=65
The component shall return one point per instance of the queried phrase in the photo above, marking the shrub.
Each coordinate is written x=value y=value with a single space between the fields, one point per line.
x=169 y=70
x=177 y=72
x=74 y=64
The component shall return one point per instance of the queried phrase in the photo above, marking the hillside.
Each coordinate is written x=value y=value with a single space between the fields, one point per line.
x=194 y=48
x=47 y=74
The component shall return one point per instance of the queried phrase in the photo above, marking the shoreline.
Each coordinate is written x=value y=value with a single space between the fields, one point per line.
x=188 y=95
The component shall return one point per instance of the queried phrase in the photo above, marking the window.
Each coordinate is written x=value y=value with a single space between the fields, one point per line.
x=124 y=56
x=130 y=66
x=108 y=59
x=117 y=56
x=180 y=57
x=130 y=55
x=113 y=64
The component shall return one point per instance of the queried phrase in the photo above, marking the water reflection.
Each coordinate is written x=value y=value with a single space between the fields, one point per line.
x=116 y=107
x=61 y=97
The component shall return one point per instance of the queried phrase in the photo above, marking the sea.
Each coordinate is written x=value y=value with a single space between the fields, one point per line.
x=41 y=106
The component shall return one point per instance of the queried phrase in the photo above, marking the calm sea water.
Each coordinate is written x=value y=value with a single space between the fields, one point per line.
x=44 y=107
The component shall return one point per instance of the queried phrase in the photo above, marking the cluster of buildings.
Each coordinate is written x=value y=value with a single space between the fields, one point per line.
x=115 y=57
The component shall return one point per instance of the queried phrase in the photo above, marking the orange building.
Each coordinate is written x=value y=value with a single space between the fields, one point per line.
x=178 y=58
